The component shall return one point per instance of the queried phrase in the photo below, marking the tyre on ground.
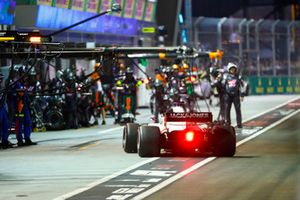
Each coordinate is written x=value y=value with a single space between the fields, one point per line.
x=224 y=140
x=130 y=134
x=148 y=141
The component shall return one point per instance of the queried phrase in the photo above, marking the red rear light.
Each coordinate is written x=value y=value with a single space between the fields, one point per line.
x=189 y=136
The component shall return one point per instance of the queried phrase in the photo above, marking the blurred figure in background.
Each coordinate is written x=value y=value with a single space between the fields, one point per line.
x=23 y=120
x=126 y=106
x=217 y=83
x=3 y=118
x=98 y=100
x=71 y=100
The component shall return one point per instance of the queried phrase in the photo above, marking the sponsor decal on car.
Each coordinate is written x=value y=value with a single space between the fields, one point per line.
x=193 y=116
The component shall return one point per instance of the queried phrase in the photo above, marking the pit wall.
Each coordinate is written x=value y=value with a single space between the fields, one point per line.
x=274 y=85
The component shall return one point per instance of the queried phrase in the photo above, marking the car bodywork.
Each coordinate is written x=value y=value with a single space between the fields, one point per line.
x=180 y=133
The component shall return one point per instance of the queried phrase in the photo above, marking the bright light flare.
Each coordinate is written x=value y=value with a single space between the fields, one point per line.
x=189 y=136
x=162 y=55
x=35 y=39
x=146 y=81
x=193 y=79
x=4 y=39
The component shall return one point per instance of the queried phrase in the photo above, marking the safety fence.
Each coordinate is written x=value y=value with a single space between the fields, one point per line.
x=260 y=47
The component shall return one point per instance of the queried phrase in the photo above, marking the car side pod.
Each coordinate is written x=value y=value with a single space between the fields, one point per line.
x=148 y=144
x=224 y=140
x=130 y=135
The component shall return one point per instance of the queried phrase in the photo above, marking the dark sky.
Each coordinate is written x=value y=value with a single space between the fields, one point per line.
x=215 y=8
x=225 y=8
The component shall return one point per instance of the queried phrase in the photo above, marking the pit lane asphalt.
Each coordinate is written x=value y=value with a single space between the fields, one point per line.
x=66 y=160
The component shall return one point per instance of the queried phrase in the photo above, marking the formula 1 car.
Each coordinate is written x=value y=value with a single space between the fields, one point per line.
x=182 y=133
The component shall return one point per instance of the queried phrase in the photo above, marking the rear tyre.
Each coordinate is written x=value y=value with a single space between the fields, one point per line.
x=130 y=134
x=148 y=141
x=225 y=141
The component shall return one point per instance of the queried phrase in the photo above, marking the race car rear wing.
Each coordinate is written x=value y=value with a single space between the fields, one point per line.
x=189 y=117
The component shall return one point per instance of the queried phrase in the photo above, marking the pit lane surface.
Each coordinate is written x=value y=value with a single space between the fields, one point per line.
x=66 y=160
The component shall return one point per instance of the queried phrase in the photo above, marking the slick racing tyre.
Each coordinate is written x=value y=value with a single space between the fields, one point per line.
x=148 y=141
x=130 y=134
x=225 y=141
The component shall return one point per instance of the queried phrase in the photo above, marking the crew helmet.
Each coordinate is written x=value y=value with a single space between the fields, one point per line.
x=158 y=83
x=129 y=71
x=22 y=69
x=185 y=66
x=231 y=65
x=59 y=74
x=175 y=66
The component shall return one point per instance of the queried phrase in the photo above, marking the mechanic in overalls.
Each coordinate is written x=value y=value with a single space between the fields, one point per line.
x=23 y=121
x=233 y=94
x=98 y=103
x=217 y=77
x=3 y=118
x=159 y=85
x=132 y=84
x=71 y=100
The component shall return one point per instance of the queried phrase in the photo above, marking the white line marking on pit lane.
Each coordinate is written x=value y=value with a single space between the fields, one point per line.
x=93 y=184
x=130 y=180
x=153 y=173
x=271 y=109
x=152 y=180
x=173 y=179
x=266 y=128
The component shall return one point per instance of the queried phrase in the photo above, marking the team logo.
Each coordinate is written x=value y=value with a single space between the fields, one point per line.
x=231 y=83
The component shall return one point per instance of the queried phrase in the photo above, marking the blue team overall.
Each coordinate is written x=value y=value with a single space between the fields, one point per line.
x=3 y=121
x=23 y=122
x=3 y=117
